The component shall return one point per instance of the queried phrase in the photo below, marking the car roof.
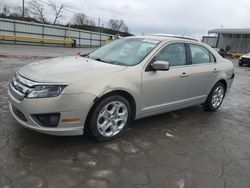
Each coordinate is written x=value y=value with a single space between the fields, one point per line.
x=165 y=38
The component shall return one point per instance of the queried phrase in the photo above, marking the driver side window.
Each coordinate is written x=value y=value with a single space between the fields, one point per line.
x=175 y=54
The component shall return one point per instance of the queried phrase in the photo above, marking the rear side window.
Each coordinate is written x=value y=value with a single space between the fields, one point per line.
x=175 y=54
x=199 y=54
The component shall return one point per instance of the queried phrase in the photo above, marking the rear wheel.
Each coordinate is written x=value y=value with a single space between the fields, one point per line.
x=215 y=97
x=110 y=118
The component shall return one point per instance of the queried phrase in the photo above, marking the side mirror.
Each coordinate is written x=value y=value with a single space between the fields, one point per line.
x=160 y=65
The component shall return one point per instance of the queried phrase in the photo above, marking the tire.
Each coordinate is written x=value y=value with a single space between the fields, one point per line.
x=214 y=99
x=240 y=64
x=110 y=118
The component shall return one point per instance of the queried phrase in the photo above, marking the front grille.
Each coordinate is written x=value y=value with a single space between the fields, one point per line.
x=18 y=95
x=19 y=87
x=19 y=114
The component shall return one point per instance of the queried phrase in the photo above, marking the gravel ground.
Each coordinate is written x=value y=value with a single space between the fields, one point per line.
x=184 y=148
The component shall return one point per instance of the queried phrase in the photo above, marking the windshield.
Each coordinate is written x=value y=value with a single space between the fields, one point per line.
x=126 y=51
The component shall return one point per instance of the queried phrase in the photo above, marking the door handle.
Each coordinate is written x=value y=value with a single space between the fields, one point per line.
x=215 y=70
x=183 y=75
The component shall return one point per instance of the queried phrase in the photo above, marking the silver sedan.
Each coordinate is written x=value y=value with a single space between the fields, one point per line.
x=130 y=78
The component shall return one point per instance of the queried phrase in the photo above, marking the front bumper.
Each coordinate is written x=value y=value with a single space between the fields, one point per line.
x=74 y=106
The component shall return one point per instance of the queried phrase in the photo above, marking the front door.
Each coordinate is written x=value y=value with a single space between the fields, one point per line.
x=166 y=90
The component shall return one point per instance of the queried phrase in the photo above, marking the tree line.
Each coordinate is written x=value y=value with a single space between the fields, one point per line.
x=36 y=11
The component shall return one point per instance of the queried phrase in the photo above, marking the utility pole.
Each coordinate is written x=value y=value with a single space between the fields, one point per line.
x=99 y=25
x=23 y=10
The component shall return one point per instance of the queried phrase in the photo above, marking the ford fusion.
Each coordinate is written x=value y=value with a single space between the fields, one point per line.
x=130 y=78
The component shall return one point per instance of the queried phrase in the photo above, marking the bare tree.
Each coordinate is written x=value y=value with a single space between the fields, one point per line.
x=58 y=10
x=91 y=22
x=79 y=19
x=5 y=10
x=125 y=28
x=82 y=19
x=38 y=11
x=18 y=11
x=118 y=25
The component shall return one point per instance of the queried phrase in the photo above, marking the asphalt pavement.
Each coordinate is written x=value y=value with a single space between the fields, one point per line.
x=183 y=149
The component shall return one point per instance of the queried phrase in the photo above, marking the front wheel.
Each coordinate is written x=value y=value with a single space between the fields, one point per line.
x=110 y=118
x=215 y=97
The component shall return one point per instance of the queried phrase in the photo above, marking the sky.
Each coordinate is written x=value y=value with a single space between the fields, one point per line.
x=192 y=17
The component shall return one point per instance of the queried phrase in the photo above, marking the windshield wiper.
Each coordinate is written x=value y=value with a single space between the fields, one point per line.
x=98 y=59
x=110 y=62
x=85 y=55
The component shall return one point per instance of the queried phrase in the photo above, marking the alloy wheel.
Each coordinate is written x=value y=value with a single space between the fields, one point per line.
x=112 y=118
x=218 y=96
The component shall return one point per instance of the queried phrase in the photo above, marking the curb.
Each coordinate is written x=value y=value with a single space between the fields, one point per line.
x=25 y=57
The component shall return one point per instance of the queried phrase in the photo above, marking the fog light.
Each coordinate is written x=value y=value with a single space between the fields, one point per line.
x=47 y=120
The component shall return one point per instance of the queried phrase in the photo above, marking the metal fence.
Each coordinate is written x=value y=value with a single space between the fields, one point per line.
x=21 y=28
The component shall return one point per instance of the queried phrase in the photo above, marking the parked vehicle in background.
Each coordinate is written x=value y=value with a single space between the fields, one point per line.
x=221 y=52
x=244 y=59
x=130 y=78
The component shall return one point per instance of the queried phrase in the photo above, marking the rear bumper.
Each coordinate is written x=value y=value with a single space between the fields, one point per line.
x=229 y=83
x=74 y=106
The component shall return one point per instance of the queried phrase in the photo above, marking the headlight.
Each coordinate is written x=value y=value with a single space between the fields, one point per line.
x=43 y=91
x=240 y=58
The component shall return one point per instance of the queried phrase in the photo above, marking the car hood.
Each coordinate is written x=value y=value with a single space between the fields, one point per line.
x=67 y=69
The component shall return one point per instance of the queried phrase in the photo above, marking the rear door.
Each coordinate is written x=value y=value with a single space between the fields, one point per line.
x=203 y=72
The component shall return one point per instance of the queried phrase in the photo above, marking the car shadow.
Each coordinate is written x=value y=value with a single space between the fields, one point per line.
x=182 y=123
